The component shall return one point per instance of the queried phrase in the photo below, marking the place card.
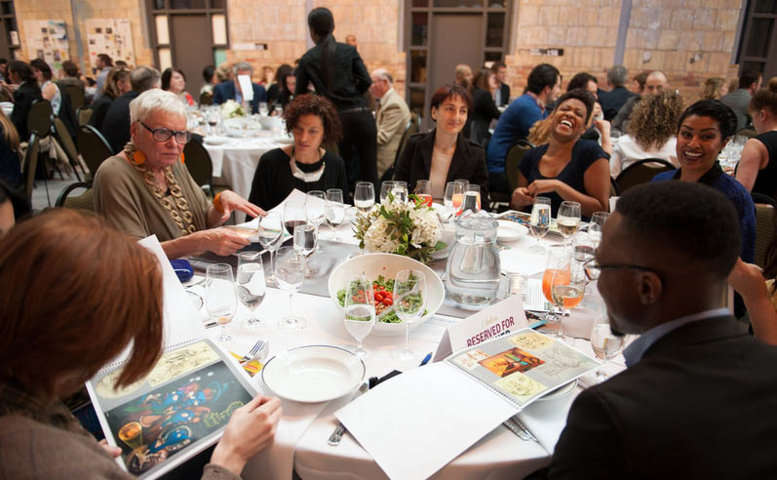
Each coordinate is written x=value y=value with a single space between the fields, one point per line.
x=245 y=87
x=492 y=322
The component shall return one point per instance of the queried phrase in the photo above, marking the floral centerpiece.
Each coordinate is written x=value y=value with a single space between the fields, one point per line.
x=232 y=109
x=405 y=228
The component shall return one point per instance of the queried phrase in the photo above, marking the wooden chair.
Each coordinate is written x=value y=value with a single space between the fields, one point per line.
x=76 y=95
x=513 y=162
x=641 y=171
x=64 y=139
x=84 y=201
x=765 y=225
x=30 y=165
x=84 y=114
x=199 y=164
x=93 y=146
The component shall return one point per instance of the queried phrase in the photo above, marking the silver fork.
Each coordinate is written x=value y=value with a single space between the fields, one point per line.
x=517 y=427
x=254 y=350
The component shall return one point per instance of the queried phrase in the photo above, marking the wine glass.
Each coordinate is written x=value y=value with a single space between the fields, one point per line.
x=567 y=288
x=399 y=190
x=606 y=345
x=294 y=214
x=359 y=311
x=314 y=210
x=568 y=218
x=250 y=283
x=385 y=188
x=454 y=193
x=220 y=297
x=263 y=109
x=213 y=117
x=334 y=209
x=270 y=236
x=423 y=190
x=557 y=269
x=364 y=197
x=539 y=224
x=290 y=272
x=409 y=302
x=595 y=227
x=305 y=239
x=471 y=198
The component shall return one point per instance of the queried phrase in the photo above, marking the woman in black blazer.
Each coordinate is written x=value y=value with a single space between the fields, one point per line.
x=444 y=155
x=25 y=94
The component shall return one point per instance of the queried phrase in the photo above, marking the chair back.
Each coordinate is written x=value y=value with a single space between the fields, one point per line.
x=84 y=114
x=765 y=225
x=30 y=165
x=513 y=162
x=39 y=119
x=641 y=171
x=198 y=162
x=62 y=135
x=206 y=98
x=85 y=201
x=93 y=146
x=76 y=95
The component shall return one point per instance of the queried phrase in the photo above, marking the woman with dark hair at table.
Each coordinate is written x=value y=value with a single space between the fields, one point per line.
x=173 y=80
x=117 y=83
x=147 y=190
x=61 y=266
x=288 y=83
x=305 y=164
x=274 y=91
x=338 y=73
x=10 y=166
x=26 y=92
x=444 y=154
x=704 y=129
x=567 y=167
x=757 y=170
x=483 y=106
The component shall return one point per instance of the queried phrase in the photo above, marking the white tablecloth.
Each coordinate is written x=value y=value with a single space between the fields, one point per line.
x=301 y=441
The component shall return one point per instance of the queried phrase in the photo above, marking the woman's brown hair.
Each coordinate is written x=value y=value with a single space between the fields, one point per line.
x=75 y=294
x=712 y=87
x=310 y=104
x=115 y=75
x=765 y=98
x=654 y=120
x=10 y=134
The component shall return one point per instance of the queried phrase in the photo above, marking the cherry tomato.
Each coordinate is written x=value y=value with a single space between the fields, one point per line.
x=387 y=301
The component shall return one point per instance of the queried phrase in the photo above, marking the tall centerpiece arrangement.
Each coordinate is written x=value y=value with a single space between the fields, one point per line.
x=232 y=109
x=409 y=228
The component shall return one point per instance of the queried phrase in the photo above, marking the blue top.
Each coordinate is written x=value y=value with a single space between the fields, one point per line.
x=584 y=154
x=636 y=350
x=739 y=196
x=513 y=125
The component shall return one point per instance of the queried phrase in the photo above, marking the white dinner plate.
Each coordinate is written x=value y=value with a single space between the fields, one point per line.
x=509 y=231
x=314 y=373
x=216 y=140
x=559 y=393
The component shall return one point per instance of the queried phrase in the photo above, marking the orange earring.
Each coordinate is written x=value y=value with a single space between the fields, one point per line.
x=182 y=158
x=139 y=158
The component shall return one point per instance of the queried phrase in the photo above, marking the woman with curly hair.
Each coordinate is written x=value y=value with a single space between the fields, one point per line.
x=304 y=165
x=714 y=88
x=651 y=132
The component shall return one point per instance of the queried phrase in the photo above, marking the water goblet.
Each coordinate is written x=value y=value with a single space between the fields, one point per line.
x=539 y=223
x=334 y=209
x=568 y=218
x=605 y=344
x=290 y=272
x=220 y=297
x=359 y=312
x=409 y=303
x=364 y=197
x=270 y=238
x=251 y=286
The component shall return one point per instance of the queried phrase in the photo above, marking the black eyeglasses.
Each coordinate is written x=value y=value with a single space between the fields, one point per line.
x=593 y=269
x=162 y=135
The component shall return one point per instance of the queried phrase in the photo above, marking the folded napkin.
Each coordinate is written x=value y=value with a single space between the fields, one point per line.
x=547 y=418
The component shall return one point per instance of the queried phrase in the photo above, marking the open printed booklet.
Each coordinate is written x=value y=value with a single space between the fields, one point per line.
x=180 y=408
x=523 y=366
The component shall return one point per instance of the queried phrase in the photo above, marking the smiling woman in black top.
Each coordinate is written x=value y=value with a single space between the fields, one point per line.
x=304 y=165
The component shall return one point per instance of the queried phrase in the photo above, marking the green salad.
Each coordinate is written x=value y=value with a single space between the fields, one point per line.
x=383 y=300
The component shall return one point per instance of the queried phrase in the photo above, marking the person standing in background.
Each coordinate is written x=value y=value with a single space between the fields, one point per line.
x=391 y=117
x=104 y=64
x=502 y=95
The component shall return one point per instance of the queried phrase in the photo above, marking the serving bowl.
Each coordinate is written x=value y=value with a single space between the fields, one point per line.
x=388 y=265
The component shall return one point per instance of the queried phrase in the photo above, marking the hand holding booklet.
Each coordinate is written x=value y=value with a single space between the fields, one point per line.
x=416 y=423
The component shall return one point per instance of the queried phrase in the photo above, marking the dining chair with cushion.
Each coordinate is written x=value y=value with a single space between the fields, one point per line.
x=76 y=95
x=200 y=166
x=513 y=162
x=640 y=172
x=39 y=119
x=765 y=224
x=84 y=114
x=83 y=201
x=64 y=139
x=30 y=165
x=93 y=146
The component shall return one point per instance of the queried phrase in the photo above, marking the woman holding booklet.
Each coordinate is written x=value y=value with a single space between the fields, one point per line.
x=70 y=284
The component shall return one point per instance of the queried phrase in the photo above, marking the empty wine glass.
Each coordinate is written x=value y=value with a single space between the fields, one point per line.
x=263 y=109
x=314 y=210
x=334 y=209
x=399 y=190
x=359 y=311
x=409 y=303
x=305 y=239
x=595 y=227
x=250 y=283
x=220 y=298
x=364 y=197
x=568 y=218
x=385 y=188
x=290 y=272
x=539 y=224
x=606 y=345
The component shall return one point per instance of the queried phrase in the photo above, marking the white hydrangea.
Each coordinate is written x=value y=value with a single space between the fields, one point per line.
x=231 y=109
x=378 y=237
x=427 y=227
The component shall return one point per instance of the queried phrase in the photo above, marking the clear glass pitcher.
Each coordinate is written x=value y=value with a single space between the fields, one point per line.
x=472 y=273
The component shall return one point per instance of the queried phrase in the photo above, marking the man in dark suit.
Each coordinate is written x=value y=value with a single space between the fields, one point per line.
x=613 y=100
x=697 y=400
x=116 y=125
x=503 y=92
x=231 y=90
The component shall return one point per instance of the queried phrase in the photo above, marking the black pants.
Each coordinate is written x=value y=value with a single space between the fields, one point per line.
x=359 y=146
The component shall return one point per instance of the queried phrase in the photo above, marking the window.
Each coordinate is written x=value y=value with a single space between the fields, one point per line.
x=758 y=43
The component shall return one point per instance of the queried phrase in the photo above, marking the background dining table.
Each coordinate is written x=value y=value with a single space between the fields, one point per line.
x=301 y=439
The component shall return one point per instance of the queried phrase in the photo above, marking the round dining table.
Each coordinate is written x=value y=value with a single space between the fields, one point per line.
x=301 y=439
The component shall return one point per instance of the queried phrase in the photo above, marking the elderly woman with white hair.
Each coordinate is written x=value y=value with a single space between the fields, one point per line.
x=146 y=189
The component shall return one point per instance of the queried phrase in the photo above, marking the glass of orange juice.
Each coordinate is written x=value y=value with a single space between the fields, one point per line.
x=558 y=272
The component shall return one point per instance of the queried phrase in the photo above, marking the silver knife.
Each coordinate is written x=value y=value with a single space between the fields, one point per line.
x=337 y=434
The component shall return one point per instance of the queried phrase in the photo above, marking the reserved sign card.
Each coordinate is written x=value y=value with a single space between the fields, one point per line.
x=492 y=322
